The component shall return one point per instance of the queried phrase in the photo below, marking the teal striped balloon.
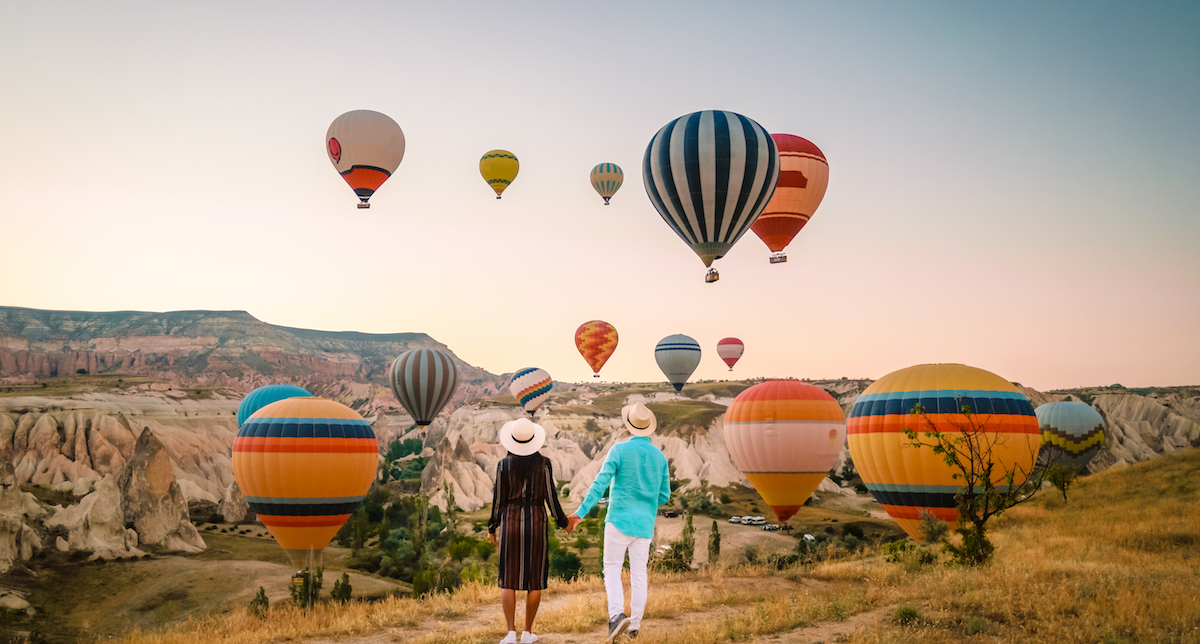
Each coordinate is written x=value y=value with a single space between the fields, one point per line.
x=607 y=179
x=263 y=396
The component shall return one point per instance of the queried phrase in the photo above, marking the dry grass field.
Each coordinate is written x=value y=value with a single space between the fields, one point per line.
x=1119 y=562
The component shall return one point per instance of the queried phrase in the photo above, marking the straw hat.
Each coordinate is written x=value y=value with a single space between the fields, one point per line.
x=522 y=436
x=639 y=420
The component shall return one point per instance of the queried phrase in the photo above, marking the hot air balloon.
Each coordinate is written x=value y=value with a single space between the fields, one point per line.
x=678 y=356
x=304 y=464
x=907 y=480
x=596 y=341
x=607 y=179
x=710 y=174
x=784 y=436
x=803 y=177
x=531 y=388
x=366 y=148
x=1072 y=433
x=730 y=350
x=423 y=380
x=499 y=168
x=263 y=396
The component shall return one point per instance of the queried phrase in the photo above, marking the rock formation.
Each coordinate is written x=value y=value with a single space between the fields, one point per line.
x=18 y=539
x=97 y=523
x=1140 y=428
x=152 y=500
x=234 y=508
x=454 y=462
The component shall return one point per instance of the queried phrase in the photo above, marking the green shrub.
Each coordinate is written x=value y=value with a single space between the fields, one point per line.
x=462 y=547
x=725 y=498
x=565 y=564
x=341 y=589
x=485 y=550
x=906 y=615
x=853 y=529
x=975 y=625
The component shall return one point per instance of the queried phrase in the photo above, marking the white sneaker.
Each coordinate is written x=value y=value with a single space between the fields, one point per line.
x=511 y=638
x=528 y=638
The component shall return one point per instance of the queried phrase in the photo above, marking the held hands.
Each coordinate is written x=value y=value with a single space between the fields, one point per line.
x=573 y=522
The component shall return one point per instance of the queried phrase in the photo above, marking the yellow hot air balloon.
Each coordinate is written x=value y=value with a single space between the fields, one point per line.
x=784 y=436
x=499 y=168
x=304 y=465
x=607 y=179
x=907 y=480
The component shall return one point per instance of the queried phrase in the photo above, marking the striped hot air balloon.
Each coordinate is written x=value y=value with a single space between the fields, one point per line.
x=1072 y=432
x=499 y=168
x=531 y=387
x=263 y=396
x=784 y=436
x=304 y=464
x=730 y=350
x=607 y=179
x=366 y=148
x=907 y=480
x=678 y=356
x=596 y=341
x=424 y=381
x=803 y=177
x=710 y=174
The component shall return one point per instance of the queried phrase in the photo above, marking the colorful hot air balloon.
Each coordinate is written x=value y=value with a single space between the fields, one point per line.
x=366 y=148
x=784 y=436
x=499 y=168
x=304 y=464
x=423 y=380
x=678 y=356
x=803 y=177
x=263 y=396
x=1072 y=432
x=607 y=179
x=730 y=350
x=531 y=387
x=596 y=341
x=710 y=174
x=907 y=480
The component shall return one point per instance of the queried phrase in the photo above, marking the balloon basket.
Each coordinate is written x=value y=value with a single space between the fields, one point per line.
x=778 y=258
x=364 y=205
x=596 y=376
x=711 y=276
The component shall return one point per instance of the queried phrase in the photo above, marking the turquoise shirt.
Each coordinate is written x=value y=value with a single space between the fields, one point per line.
x=640 y=480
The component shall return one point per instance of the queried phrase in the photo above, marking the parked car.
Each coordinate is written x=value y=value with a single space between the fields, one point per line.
x=757 y=520
x=771 y=527
x=747 y=520
x=735 y=519
x=670 y=514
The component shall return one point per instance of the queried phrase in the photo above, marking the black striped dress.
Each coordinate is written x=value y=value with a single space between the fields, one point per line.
x=524 y=487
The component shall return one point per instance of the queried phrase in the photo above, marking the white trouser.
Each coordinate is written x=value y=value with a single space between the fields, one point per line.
x=616 y=543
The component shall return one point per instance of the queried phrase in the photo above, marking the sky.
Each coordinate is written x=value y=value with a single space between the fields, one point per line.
x=1013 y=186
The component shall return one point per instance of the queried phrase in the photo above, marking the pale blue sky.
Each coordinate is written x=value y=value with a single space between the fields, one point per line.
x=1013 y=185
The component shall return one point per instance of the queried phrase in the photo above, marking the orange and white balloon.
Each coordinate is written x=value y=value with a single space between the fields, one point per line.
x=803 y=178
x=365 y=147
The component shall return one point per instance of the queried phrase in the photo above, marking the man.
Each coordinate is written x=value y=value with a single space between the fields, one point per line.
x=640 y=482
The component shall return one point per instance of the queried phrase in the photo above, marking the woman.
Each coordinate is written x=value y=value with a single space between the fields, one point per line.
x=524 y=487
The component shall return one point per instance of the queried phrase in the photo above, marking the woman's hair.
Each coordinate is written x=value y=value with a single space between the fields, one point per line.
x=524 y=468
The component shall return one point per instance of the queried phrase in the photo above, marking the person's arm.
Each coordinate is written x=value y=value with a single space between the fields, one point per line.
x=560 y=517
x=664 y=488
x=603 y=478
x=499 y=493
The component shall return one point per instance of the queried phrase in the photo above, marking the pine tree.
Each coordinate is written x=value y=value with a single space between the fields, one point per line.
x=714 y=544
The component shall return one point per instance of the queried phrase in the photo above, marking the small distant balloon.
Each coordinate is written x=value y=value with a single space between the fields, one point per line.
x=499 y=168
x=1072 y=433
x=607 y=179
x=596 y=341
x=263 y=396
x=531 y=387
x=678 y=356
x=730 y=350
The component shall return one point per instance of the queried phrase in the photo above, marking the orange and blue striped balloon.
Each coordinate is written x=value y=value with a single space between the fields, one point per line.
x=907 y=480
x=784 y=436
x=304 y=464
x=596 y=341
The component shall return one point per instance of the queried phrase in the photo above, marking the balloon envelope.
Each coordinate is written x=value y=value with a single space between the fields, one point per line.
x=803 y=178
x=678 y=356
x=531 y=387
x=365 y=147
x=424 y=381
x=499 y=168
x=730 y=350
x=263 y=396
x=304 y=464
x=596 y=341
x=784 y=436
x=709 y=174
x=1072 y=432
x=907 y=480
x=607 y=179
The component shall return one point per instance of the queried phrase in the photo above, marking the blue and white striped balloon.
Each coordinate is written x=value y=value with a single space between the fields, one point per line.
x=710 y=174
x=678 y=356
